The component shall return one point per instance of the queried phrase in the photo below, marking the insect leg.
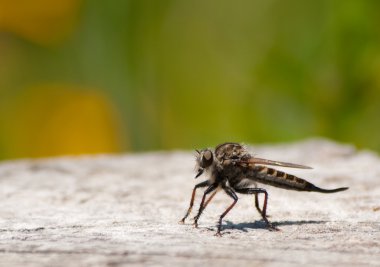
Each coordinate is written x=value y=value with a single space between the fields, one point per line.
x=257 y=204
x=202 y=206
x=205 y=205
x=209 y=199
x=202 y=184
x=232 y=194
x=263 y=213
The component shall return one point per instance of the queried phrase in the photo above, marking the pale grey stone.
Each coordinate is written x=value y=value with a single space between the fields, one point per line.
x=123 y=210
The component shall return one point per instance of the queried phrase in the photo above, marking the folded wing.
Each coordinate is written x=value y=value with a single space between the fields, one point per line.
x=259 y=161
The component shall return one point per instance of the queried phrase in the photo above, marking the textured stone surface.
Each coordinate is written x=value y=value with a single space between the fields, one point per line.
x=112 y=210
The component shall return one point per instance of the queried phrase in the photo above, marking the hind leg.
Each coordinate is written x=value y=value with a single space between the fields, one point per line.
x=257 y=205
x=263 y=212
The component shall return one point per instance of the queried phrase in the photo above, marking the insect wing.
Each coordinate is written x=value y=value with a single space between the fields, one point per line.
x=260 y=161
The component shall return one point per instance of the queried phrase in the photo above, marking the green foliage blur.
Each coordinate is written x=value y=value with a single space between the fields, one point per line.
x=112 y=76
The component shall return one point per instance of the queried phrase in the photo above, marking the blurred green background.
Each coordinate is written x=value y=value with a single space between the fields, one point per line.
x=111 y=76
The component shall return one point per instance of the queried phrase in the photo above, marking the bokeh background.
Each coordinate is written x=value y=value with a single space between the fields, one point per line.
x=111 y=76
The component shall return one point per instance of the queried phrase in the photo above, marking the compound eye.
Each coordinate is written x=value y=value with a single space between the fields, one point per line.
x=207 y=158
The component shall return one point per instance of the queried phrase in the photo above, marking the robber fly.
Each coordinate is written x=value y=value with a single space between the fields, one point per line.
x=231 y=168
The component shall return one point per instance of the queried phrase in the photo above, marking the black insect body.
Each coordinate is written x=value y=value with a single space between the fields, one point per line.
x=231 y=168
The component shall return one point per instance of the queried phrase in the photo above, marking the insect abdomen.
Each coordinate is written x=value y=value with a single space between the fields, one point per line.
x=283 y=180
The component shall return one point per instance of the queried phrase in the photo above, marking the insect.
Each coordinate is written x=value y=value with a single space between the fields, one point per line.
x=231 y=168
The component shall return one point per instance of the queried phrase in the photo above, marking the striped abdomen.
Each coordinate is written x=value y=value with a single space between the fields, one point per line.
x=283 y=180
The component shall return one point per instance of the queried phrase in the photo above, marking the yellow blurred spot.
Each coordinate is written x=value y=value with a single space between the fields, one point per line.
x=55 y=120
x=40 y=21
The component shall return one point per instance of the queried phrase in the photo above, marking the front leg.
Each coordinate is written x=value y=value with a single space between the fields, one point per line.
x=208 y=201
x=202 y=184
x=263 y=213
x=202 y=206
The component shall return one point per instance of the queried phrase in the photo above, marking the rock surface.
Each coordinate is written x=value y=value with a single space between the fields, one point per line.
x=123 y=210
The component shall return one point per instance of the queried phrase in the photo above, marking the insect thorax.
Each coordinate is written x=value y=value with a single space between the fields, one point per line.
x=226 y=156
x=230 y=151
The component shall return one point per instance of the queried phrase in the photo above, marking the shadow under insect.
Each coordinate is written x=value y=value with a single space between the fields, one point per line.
x=245 y=226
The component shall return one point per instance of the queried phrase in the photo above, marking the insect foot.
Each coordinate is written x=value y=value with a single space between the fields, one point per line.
x=273 y=228
x=218 y=234
x=195 y=223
